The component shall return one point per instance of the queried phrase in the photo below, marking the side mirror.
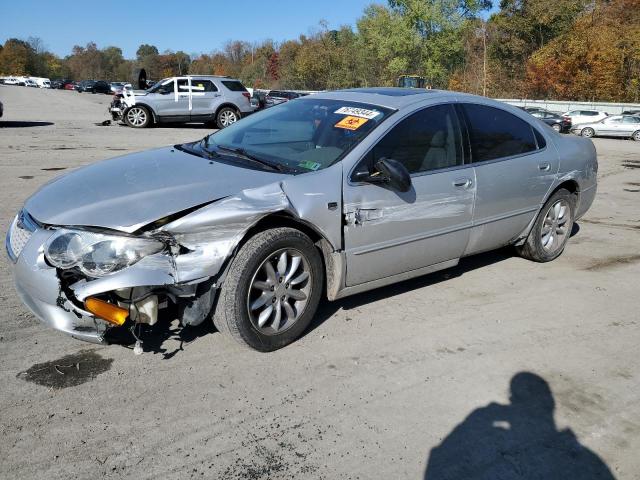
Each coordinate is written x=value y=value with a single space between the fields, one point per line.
x=389 y=172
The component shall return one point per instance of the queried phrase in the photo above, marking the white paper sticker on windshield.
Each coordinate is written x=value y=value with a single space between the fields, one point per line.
x=358 y=112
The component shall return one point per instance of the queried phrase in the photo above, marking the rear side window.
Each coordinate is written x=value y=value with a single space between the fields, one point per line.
x=633 y=120
x=495 y=133
x=203 y=86
x=234 y=85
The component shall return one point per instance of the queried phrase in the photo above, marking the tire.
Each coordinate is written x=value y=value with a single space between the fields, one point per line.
x=556 y=127
x=636 y=136
x=587 y=132
x=537 y=247
x=137 y=116
x=250 y=298
x=227 y=116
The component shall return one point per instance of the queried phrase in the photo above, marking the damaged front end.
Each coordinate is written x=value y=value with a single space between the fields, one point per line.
x=87 y=282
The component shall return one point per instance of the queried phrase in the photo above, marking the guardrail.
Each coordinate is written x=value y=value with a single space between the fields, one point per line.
x=564 y=106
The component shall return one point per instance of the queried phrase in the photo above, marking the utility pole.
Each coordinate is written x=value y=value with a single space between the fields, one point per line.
x=484 y=60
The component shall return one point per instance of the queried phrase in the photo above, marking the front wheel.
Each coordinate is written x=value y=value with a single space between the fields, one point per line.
x=271 y=291
x=556 y=127
x=636 y=136
x=552 y=229
x=137 y=117
x=226 y=116
x=588 y=132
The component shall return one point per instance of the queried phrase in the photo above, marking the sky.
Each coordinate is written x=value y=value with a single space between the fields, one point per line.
x=194 y=27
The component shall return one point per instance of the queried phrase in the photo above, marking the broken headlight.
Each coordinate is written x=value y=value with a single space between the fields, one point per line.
x=97 y=254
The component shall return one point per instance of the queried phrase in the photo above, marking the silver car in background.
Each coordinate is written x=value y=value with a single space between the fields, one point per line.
x=212 y=99
x=627 y=126
x=327 y=196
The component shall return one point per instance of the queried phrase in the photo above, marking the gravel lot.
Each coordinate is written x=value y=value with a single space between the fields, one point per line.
x=381 y=379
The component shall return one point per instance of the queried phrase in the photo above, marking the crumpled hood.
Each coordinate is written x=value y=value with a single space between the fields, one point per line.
x=126 y=193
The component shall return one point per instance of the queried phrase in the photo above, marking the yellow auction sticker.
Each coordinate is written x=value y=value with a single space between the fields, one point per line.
x=351 y=123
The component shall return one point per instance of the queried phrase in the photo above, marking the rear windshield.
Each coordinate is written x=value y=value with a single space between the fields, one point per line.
x=306 y=135
x=234 y=86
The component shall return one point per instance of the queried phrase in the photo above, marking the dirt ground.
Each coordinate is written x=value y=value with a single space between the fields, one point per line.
x=446 y=373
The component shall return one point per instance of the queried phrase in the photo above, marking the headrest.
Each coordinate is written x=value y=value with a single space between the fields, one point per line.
x=439 y=139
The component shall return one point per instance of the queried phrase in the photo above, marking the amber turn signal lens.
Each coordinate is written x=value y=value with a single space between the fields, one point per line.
x=107 y=311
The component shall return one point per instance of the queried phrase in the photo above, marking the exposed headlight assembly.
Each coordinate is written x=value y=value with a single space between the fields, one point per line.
x=97 y=254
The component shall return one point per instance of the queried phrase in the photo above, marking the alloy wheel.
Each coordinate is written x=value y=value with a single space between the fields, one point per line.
x=228 y=117
x=279 y=291
x=555 y=227
x=137 y=116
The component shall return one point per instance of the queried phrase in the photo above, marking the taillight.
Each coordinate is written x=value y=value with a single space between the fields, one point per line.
x=247 y=95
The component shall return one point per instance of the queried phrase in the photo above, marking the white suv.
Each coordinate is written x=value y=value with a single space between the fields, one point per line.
x=584 y=116
x=194 y=98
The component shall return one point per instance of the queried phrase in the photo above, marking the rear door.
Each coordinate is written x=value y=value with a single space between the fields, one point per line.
x=389 y=232
x=171 y=100
x=630 y=125
x=205 y=99
x=610 y=127
x=514 y=170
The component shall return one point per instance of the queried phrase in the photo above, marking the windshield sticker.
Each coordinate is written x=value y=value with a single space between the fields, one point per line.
x=358 y=112
x=351 y=123
x=309 y=165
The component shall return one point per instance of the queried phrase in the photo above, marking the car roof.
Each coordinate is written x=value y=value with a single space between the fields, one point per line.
x=397 y=98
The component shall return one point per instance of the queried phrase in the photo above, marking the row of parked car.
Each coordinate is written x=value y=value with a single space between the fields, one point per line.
x=591 y=123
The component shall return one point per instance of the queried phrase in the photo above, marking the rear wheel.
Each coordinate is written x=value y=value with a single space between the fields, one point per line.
x=636 y=136
x=552 y=228
x=227 y=116
x=588 y=132
x=137 y=117
x=271 y=291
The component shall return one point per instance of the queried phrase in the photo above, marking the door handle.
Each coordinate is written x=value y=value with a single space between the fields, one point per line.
x=462 y=182
x=544 y=166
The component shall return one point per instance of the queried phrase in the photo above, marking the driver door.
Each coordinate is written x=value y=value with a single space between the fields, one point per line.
x=388 y=232
x=171 y=101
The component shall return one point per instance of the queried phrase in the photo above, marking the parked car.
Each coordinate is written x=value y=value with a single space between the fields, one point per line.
x=116 y=87
x=329 y=195
x=197 y=98
x=259 y=100
x=101 y=87
x=584 y=116
x=30 y=83
x=616 y=126
x=85 y=86
x=631 y=112
x=557 y=122
x=69 y=85
x=276 y=97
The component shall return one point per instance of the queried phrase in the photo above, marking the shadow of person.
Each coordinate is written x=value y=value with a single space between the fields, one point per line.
x=515 y=441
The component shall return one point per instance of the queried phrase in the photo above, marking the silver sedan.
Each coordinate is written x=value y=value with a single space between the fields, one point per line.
x=321 y=197
x=627 y=126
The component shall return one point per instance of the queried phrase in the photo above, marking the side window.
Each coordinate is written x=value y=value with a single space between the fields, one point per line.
x=495 y=133
x=427 y=140
x=203 y=86
x=234 y=85
x=183 y=86
x=634 y=120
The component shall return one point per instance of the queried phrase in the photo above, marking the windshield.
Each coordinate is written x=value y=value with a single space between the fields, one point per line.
x=161 y=83
x=302 y=135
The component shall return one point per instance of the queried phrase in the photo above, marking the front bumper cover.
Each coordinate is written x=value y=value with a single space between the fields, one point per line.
x=39 y=288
